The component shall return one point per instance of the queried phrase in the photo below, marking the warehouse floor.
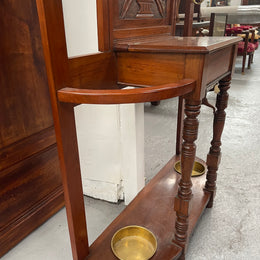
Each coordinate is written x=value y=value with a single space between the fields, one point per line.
x=230 y=230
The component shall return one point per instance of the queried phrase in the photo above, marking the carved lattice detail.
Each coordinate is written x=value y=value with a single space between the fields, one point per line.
x=142 y=8
x=145 y=8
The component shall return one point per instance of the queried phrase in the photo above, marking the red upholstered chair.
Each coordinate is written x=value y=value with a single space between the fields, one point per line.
x=246 y=47
x=253 y=35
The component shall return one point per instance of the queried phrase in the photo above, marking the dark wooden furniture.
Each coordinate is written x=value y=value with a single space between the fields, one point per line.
x=250 y=2
x=197 y=27
x=245 y=47
x=188 y=19
x=161 y=66
x=187 y=4
x=30 y=183
x=218 y=23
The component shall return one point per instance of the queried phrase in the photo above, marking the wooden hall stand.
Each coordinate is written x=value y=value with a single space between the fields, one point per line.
x=164 y=66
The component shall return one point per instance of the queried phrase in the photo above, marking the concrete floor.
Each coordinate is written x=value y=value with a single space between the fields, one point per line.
x=231 y=229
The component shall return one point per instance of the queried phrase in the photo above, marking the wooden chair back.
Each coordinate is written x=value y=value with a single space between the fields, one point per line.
x=119 y=19
x=218 y=24
x=245 y=47
x=182 y=11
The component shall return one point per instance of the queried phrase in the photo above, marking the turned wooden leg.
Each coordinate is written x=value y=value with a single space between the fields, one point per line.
x=214 y=155
x=243 y=63
x=182 y=200
x=249 y=61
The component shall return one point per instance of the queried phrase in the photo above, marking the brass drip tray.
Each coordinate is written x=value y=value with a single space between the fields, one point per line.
x=133 y=243
x=198 y=168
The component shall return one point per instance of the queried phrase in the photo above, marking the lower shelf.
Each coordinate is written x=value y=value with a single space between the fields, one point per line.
x=153 y=208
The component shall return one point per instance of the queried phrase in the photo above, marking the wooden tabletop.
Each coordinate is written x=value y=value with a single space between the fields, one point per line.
x=175 y=44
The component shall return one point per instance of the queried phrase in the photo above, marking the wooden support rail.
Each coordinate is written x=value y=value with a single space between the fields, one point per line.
x=119 y=96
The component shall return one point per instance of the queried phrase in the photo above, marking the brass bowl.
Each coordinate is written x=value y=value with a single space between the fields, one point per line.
x=133 y=242
x=198 y=168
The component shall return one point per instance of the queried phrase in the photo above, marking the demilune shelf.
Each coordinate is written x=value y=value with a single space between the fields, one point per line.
x=153 y=208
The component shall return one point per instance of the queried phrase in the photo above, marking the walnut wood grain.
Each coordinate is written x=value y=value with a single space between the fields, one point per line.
x=142 y=32
x=26 y=147
x=142 y=68
x=177 y=44
x=30 y=183
x=30 y=192
x=30 y=171
x=31 y=219
x=22 y=74
x=96 y=71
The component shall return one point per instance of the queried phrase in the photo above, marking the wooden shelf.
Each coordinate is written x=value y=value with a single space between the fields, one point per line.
x=155 y=202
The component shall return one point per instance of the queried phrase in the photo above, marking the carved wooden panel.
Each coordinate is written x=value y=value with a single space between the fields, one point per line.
x=128 y=14
x=30 y=181
x=142 y=9
x=120 y=19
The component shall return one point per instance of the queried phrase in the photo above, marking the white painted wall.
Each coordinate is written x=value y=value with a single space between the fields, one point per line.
x=232 y=3
x=98 y=131
x=111 y=137
x=235 y=2
x=132 y=149
x=205 y=3
x=80 y=18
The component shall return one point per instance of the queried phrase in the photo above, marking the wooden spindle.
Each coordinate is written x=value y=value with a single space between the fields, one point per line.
x=214 y=155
